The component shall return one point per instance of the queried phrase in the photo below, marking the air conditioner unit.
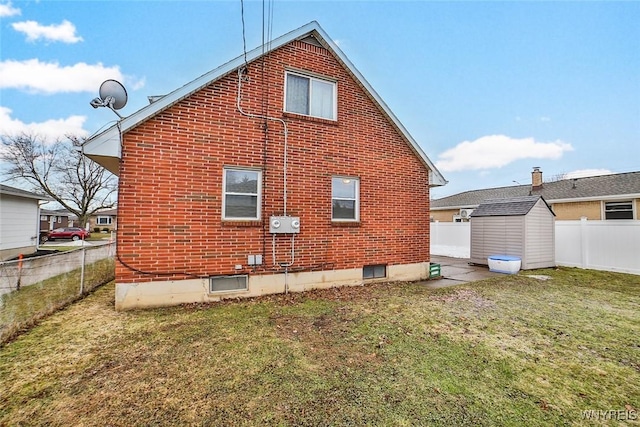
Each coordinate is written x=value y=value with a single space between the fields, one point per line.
x=465 y=213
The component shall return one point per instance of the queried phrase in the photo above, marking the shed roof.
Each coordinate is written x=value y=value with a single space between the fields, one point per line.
x=104 y=148
x=513 y=206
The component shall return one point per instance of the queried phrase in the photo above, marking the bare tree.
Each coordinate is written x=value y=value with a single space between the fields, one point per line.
x=60 y=170
x=558 y=177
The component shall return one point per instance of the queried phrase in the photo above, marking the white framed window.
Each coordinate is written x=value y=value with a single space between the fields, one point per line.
x=103 y=220
x=242 y=194
x=310 y=96
x=618 y=210
x=59 y=219
x=43 y=217
x=345 y=198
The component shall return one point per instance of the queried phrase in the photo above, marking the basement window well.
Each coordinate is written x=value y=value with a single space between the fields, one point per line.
x=228 y=283
x=374 y=271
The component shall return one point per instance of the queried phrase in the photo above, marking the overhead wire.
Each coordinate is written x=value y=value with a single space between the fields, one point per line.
x=177 y=272
x=265 y=45
x=267 y=26
x=244 y=38
x=181 y=272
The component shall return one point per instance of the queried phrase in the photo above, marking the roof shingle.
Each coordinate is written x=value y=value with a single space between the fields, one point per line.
x=622 y=184
x=514 y=206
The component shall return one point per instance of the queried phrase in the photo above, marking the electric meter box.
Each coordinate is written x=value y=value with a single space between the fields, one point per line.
x=284 y=224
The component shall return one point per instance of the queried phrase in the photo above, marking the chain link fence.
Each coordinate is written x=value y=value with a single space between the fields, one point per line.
x=32 y=288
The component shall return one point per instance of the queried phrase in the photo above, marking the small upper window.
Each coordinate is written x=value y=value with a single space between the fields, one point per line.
x=345 y=199
x=241 y=194
x=310 y=96
x=618 y=210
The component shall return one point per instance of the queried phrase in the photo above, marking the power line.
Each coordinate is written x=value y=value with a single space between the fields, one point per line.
x=244 y=39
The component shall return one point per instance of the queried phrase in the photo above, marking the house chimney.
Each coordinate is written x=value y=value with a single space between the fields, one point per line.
x=536 y=178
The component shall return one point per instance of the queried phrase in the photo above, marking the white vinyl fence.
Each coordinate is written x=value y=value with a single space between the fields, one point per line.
x=598 y=245
x=452 y=239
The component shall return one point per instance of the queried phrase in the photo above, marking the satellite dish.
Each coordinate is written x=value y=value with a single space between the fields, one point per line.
x=112 y=95
x=113 y=88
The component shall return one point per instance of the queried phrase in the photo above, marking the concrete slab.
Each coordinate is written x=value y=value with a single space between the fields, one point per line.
x=455 y=271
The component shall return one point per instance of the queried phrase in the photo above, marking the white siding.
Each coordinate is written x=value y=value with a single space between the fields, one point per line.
x=496 y=235
x=539 y=237
x=18 y=222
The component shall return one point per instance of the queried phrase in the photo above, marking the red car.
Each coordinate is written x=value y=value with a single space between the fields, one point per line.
x=73 y=233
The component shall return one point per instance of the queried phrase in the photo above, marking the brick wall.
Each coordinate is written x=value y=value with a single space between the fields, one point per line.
x=444 y=216
x=576 y=210
x=170 y=206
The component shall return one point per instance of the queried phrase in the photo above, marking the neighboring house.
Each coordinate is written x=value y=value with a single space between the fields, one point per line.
x=105 y=220
x=286 y=174
x=19 y=221
x=605 y=197
x=52 y=219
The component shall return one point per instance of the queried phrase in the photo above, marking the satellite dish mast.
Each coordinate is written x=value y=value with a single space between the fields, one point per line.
x=113 y=95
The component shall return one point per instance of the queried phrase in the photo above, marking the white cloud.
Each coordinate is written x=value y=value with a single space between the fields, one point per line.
x=64 y=32
x=134 y=83
x=7 y=10
x=48 y=78
x=48 y=130
x=495 y=151
x=582 y=173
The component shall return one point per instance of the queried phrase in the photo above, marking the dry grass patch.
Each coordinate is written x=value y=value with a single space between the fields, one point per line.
x=20 y=310
x=507 y=351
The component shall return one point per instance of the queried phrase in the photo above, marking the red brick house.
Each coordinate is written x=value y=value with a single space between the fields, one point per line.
x=286 y=172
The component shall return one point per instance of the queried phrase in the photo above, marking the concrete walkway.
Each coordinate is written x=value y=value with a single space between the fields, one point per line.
x=455 y=271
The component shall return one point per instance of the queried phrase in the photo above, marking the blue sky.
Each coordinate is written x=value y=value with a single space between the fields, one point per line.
x=488 y=89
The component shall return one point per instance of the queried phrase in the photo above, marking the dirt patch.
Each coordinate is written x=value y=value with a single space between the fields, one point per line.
x=40 y=252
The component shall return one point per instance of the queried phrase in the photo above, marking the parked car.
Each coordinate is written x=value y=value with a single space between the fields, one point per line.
x=73 y=233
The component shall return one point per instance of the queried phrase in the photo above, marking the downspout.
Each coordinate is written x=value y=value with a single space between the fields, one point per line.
x=38 y=229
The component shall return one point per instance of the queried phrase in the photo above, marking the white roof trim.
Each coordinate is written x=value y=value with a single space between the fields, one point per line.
x=450 y=208
x=597 y=198
x=18 y=192
x=105 y=141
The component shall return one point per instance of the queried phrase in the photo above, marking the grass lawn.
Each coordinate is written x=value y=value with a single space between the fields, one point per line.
x=511 y=350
